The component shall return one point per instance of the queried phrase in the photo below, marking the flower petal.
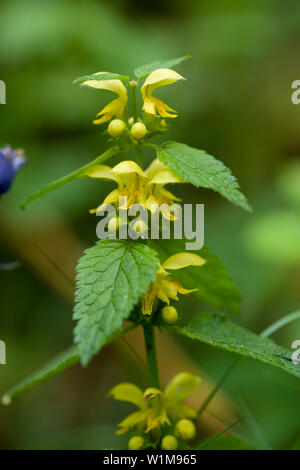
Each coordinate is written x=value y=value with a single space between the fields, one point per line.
x=182 y=260
x=117 y=86
x=161 y=77
x=166 y=176
x=127 y=167
x=130 y=393
x=181 y=386
x=138 y=417
x=100 y=171
x=155 y=166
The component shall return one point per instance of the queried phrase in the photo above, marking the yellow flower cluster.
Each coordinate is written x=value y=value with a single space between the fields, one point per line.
x=139 y=187
x=162 y=412
x=151 y=104
x=166 y=288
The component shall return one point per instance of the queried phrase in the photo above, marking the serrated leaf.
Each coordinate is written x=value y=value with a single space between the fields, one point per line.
x=214 y=284
x=56 y=365
x=71 y=176
x=112 y=275
x=145 y=70
x=102 y=76
x=202 y=170
x=218 y=331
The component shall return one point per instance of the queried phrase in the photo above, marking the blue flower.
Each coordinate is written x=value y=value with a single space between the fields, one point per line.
x=10 y=162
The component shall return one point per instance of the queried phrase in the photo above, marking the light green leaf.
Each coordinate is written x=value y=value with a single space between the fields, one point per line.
x=112 y=275
x=202 y=170
x=102 y=76
x=145 y=70
x=71 y=176
x=218 y=331
x=212 y=280
x=56 y=365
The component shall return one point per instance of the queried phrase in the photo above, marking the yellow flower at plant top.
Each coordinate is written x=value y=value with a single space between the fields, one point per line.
x=145 y=188
x=115 y=107
x=156 y=408
x=165 y=287
x=156 y=79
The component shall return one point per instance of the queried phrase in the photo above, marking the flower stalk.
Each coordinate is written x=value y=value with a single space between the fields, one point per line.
x=151 y=354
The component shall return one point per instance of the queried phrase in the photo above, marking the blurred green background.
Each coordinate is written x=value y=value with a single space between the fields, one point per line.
x=236 y=104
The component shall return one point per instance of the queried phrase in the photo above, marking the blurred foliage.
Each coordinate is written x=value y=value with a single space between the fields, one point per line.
x=235 y=104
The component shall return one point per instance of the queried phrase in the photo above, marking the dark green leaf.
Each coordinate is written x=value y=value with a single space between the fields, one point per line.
x=112 y=275
x=202 y=170
x=102 y=76
x=145 y=70
x=218 y=331
x=72 y=176
x=212 y=280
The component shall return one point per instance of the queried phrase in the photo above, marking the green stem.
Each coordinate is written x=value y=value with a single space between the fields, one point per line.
x=151 y=354
x=133 y=85
x=138 y=155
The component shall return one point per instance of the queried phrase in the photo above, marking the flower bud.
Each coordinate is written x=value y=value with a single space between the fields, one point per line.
x=135 y=443
x=138 y=130
x=169 y=315
x=113 y=224
x=169 y=443
x=116 y=127
x=139 y=226
x=131 y=121
x=186 y=429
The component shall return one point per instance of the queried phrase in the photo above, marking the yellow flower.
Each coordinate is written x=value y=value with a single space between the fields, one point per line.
x=158 y=176
x=156 y=79
x=166 y=288
x=155 y=407
x=115 y=107
x=145 y=188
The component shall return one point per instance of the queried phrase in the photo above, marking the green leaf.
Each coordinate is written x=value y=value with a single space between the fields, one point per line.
x=218 y=331
x=56 y=365
x=102 y=76
x=212 y=280
x=202 y=170
x=145 y=70
x=71 y=176
x=112 y=275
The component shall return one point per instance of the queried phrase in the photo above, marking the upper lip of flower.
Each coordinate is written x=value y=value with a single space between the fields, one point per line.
x=117 y=106
x=156 y=79
x=144 y=187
